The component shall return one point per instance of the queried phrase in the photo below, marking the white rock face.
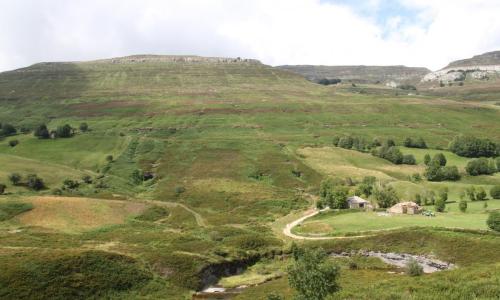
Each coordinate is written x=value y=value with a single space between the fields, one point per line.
x=450 y=74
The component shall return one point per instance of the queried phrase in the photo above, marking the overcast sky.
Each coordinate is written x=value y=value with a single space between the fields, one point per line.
x=427 y=33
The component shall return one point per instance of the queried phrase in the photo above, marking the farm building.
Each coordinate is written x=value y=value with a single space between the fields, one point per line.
x=409 y=208
x=358 y=202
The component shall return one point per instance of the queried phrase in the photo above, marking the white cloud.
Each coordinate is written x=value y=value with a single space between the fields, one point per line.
x=276 y=32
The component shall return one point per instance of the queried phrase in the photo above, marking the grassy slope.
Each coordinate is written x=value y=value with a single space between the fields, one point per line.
x=208 y=128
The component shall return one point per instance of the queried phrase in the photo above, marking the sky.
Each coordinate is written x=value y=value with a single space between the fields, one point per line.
x=423 y=33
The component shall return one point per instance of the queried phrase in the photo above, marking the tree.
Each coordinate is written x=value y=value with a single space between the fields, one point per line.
x=471 y=193
x=64 y=131
x=34 y=182
x=333 y=193
x=15 y=178
x=8 y=129
x=313 y=276
x=469 y=146
x=462 y=205
x=480 y=166
x=390 y=143
x=440 y=205
x=408 y=142
x=2 y=188
x=42 y=132
x=87 y=179
x=495 y=192
x=493 y=220
x=409 y=159
x=427 y=159
x=439 y=159
x=385 y=195
x=450 y=173
x=346 y=142
x=83 y=127
x=335 y=141
x=13 y=143
x=137 y=176
x=443 y=195
x=481 y=194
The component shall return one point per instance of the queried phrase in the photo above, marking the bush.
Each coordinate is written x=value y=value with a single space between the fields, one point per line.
x=481 y=194
x=495 y=192
x=390 y=153
x=42 y=132
x=409 y=159
x=71 y=184
x=35 y=183
x=493 y=220
x=64 y=131
x=407 y=87
x=419 y=143
x=7 y=130
x=137 y=176
x=326 y=81
x=333 y=193
x=462 y=205
x=179 y=190
x=346 y=142
x=440 y=205
x=439 y=159
x=480 y=166
x=13 y=143
x=385 y=196
x=427 y=159
x=413 y=268
x=2 y=188
x=15 y=178
x=435 y=172
x=469 y=146
x=84 y=127
x=87 y=179
x=109 y=158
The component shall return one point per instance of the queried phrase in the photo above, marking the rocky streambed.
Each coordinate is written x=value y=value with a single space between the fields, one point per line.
x=429 y=264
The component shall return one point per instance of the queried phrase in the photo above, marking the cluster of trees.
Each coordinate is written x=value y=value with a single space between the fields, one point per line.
x=474 y=194
x=7 y=130
x=333 y=193
x=469 y=146
x=438 y=171
x=385 y=195
x=415 y=143
x=32 y=181
x=483 y=166
x=326 y=81
x=430 y=198
x=354 y=143
x=64 y=131
x=390 y=152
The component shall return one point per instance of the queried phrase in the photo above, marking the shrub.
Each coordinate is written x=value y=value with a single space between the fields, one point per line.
x=480 y=166
x=335 y=141
x=313 y=276
x=87 y=179
x=42 y=132
x=71 y=184
x=497 y=162
x=495 y=192
x=346 y=142
x=35 y=183
x=469 y=146
x=481 y=194
x=2 y=188
x=439 y=159
x=385 y=196
x=13 y=143
x=427 y=159
x=407 y=87
x=137 y=176
x=7 y=129
x=84 y=127
x=471 y=193
x=179 y=190
x=15 y=178
x=493 y=220
x=409 y=159
x=64 y=131
x=440 y=205
x=418 y=199
x=390 y=153
x=333 y=193
x=435 y=172
x=413 y=268
x=418 y=143
x=462 y=205
x=109 y=158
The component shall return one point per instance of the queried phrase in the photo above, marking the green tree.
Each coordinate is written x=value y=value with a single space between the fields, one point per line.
x=495 y=192
x=42 y=132
x=385 y=195
x=84 y=127
x=471 y=193
x=439 y=159
x=493 y=220
x=7 y=129
x=440 y=205
x=481 y=194
x=15 y=178
x=462 y=205
x=34 y=182
x=480 y=166
x=64 y=131
x=313 y=276
x=427 y=159
x=409 y=159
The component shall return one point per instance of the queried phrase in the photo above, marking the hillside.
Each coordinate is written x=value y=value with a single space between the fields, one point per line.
x=189 y=168
x=360 y=74
x=485 y=59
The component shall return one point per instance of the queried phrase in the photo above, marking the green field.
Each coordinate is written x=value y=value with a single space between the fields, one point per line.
x=235 y=149
x=362 y=222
